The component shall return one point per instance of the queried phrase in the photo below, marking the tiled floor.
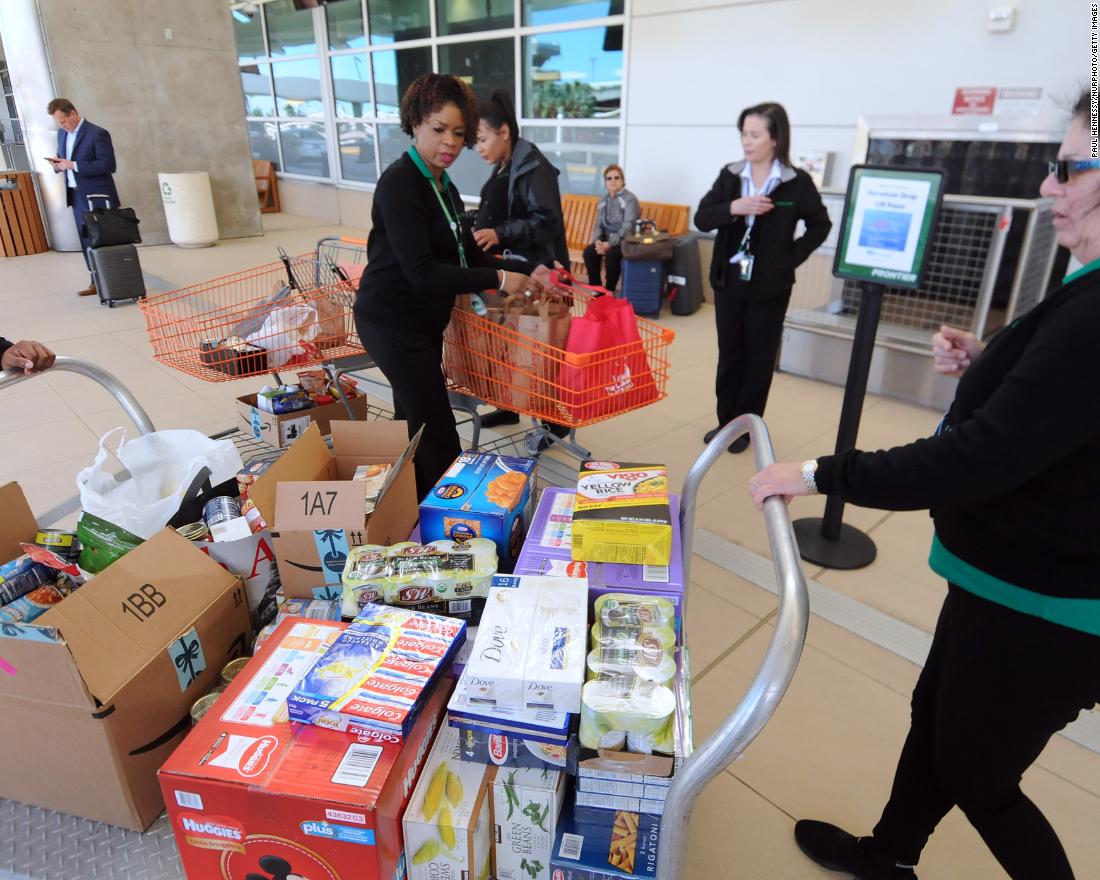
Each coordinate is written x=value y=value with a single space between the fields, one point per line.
x=829 y=752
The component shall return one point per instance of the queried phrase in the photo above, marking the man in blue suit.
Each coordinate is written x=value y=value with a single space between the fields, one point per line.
x=86 y=157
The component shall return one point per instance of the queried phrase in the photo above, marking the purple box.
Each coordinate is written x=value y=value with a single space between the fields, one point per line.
x=548 y=551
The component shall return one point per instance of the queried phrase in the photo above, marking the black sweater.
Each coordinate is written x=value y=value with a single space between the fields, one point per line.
x=774 y=246
x=1012 y=481
x=413 y=272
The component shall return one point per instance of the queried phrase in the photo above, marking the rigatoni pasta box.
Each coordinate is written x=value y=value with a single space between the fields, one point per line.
x=622 y=514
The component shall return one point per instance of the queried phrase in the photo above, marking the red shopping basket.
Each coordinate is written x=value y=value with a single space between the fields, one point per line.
x=493 y=361
x=254 y=322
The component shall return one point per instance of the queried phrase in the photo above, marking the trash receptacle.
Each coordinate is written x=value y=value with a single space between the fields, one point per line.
x=189 y=209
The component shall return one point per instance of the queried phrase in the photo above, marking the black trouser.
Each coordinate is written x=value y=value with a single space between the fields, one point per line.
x=996 y=686
x=613 y=259
x=412 y=361
x=78 y=218
x=750 y=327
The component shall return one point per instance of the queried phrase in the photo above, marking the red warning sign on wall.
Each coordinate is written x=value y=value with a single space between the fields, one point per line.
x=974 y=101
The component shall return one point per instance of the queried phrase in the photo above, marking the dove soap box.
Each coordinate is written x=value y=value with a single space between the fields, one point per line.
x=447 y=825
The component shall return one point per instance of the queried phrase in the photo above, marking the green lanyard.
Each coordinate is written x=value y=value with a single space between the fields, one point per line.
x=451 y=221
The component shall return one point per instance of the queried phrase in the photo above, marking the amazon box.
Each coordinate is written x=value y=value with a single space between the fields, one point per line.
x=282 y=429
x=99 y=688
x=317 y=512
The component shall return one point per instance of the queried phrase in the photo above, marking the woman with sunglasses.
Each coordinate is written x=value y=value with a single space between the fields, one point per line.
x=615 y=216
x=1011 y=481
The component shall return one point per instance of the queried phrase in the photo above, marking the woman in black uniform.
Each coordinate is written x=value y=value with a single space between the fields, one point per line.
x=419 y=259
x=755 y=205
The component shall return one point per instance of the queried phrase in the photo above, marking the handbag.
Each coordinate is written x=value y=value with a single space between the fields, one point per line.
x=647 y=242
x=106 y=227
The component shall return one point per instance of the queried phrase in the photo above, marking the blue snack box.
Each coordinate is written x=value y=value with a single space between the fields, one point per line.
x=596 y=845
x=482 y=496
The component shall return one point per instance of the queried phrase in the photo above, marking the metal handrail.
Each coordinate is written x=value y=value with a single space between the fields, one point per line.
x=779 y=663
x=97 y=374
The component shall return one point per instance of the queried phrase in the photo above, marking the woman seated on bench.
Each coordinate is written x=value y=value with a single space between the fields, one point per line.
x=615 y=215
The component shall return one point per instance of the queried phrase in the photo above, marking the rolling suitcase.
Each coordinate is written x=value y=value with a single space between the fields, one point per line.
x=685 y=274
x=117 y=273
x=644 y=285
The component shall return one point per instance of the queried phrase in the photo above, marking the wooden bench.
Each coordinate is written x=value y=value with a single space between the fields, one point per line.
x=267 y=186
x=580 y=219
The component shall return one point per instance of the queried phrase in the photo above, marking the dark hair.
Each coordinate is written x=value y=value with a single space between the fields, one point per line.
x=779 y=127
x=616 y=167
x=1082 y=109
x=62 y=104
x=429 y=92
x=499 y=111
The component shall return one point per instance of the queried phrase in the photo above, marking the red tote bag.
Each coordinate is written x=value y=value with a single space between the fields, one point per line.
x=606 y=370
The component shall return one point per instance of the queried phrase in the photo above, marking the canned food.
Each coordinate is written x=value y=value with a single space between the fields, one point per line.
x=196 y=531
x=220 y=509
x=64 y=543
x=233 y=668
x=202 y=704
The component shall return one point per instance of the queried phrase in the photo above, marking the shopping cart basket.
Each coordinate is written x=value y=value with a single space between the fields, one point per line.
x=255 y=322
x=502 y=366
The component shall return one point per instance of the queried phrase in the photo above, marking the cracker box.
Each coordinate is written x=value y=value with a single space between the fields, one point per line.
x=531 y=645
x=250 y=794
x=622 y=514
x=525 y=809
x=606 y=845
x=548 y=551
x=482 y=496
x=448 y=828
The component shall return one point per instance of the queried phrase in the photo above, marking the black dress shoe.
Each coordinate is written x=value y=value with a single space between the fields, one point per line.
x=561 y=431
x=837 y=850
x=711 y=434
x=740 y=444
x=499 y=417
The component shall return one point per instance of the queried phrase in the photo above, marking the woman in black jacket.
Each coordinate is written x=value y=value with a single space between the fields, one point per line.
x=419 y=258
x=1012 y=484
x=755 y=205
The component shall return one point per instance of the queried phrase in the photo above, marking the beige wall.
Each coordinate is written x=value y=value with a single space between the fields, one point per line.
x=326 y=202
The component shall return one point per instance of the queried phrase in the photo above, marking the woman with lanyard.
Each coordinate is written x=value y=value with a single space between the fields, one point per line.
x=755 y=205
x=419 y=258
x=1012 y=484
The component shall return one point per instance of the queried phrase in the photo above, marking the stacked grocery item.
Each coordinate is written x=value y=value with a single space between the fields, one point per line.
x=38 y=579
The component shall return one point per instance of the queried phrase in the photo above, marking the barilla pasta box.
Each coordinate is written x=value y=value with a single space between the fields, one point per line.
x=606 y=845
x=482 y=496
x=249 y=794
x=447 y=826
x=376 y=675
x=526 y=805
x=622 y=514
x=531 y=645
x=548 y=551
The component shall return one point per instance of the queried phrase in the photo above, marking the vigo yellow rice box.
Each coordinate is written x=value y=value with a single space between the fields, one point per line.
x=622 y=514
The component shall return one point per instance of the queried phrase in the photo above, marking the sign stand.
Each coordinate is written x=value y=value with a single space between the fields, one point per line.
x=885 y=236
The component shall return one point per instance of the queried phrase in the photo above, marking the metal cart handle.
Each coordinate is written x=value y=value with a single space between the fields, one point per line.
x=779 y=663
x=96 y=374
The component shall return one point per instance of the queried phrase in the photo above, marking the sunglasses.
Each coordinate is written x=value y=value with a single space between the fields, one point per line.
x=1063 y=169
x=613 y=177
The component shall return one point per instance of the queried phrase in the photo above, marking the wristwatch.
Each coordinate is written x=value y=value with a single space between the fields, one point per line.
x=809 y=475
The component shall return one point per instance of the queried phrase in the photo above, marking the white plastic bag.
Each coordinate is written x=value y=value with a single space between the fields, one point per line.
x=162 y=467
x=284 y=331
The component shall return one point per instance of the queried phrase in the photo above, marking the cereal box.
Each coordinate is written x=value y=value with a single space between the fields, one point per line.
x=622 y=514
x=482 y=496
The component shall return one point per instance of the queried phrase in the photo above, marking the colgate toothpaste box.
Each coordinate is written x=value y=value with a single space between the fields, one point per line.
x=251 y=794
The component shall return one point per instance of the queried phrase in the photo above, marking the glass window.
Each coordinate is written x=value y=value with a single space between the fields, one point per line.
x=392 y=21
x=256 y=82
x=573 y=74
x=468 y=16
x=261 y=137
x=289 y=30
x=392 y=142
x=469 y=173
x=305 y=149
x=248 y=29
x=394 y=71
x=486 y=64
x=357 y=152
x=579 y=153
x=298 y=87
x=351 y=85
x=558 y=11
x=345 y=25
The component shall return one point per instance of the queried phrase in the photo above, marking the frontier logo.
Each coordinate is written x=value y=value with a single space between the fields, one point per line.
x=212 y=832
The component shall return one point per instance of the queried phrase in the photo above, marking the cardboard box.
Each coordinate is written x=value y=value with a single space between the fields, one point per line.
x=245 y=790
x=316 y=510
x=606 y=845
x=282 y=430
x=510 y=750
x=548 y=551
x=589 y=800
x=98 y=690
x=482 y=496
x=622 y=513
x=448 y=831
x=252 y=559
x=526 y=805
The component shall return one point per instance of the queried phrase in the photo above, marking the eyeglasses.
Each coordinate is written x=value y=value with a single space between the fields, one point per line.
x=1063 y=169
x=613 y=177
